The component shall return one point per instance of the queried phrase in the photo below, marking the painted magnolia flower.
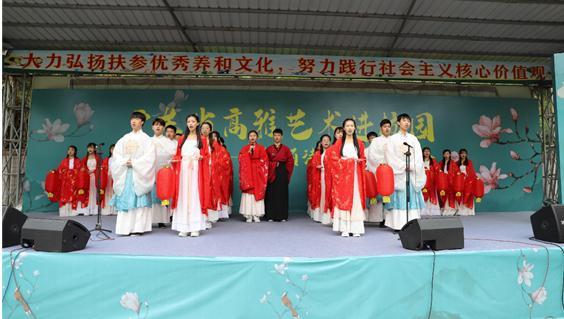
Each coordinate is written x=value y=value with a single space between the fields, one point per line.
x=281 y=268
x=525 y=275
x=305 y=277
x=55 y=130
x=491 y=176
x=83 y=113
x=490 y=130
x=514 y=114
x=560 y=91
x=263 y=299
x=515 y=155
x=130 y=300
x=179 y=96
x=539 y=296
x=287 y=260
x=454 y=156
x=36 y=273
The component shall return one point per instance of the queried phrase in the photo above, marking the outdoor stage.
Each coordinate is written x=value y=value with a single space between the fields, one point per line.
x=270 y=270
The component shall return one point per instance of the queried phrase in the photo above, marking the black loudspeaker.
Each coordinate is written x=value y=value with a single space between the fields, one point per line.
x=438 y=233
x=548 y=223
x=58 y=235
x=12 y=222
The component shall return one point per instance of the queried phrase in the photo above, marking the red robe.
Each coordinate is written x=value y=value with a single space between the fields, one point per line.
x=277 y=156
x=253 y=171
x=469 y=180
x=452 y=172
x=314 y=181
x=343 y=177
x=105 y=170
x=68 y=179
x=220 y=163
x=85 y=198
x=204 y=181
x=327 y=164
x=227 y=178
x=430 y=193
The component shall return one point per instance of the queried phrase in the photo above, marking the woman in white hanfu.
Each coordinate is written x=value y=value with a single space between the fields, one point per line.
x=165 y=150
x=133 y=173
x=396 y=214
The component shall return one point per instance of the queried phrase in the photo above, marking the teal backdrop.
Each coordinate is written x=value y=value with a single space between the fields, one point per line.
x=499 y=133
x=559 y=100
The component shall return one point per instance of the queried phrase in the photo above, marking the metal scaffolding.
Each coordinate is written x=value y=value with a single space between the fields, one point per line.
x=16 y=97
x=545 y=98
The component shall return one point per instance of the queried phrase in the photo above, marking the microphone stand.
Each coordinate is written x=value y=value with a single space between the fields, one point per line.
x=407 y=178
x=101 y=232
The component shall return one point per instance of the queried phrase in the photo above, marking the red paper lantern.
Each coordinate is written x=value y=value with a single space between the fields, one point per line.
x=478 y=189
x=52 y=185
x=458 y=186
x=165 y=185
x=442 y=183
x=83 y=182
x=371 y=188
x=385 y=178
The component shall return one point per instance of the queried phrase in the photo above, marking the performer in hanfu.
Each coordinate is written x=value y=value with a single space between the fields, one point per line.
x=449 y=167
x=165 y=149
x=430 y=190
x=253 y=177
x=68 y=178
x=280 y=168
x=170 y=132
x=108 y=193
x=347 y=166
x=89 y=203
x=397 y=215
x=220 y=177
x=375 y=157
x=337 y=136
x=189 y=215
x=133 y=172
x=465 y=205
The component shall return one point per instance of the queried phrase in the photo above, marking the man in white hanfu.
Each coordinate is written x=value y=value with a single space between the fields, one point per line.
x=396 y=214
x=165 y=148
x=375 y=156
x=133 y=171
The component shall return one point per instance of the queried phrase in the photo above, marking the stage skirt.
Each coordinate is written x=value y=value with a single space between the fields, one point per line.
x=67 y=211
x=134 y=212
x=109 y=193
x=92 y=208
x=396 y=210
x=431 y=209
x=276 y=199
x=250 y=207
x=188 y=216
x=465 y=211
x=375 y=212
x=350 y=221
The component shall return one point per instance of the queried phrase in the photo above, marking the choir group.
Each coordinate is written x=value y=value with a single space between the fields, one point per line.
x=187 y=179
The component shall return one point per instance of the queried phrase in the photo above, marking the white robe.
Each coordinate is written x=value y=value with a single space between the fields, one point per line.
x=137 y=147
x=396 y=217
x=165 y=150
x=376 y=155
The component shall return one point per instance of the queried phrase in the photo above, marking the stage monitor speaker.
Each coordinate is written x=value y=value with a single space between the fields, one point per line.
x=548 y=223
x=12 y=222
x=54 y=235
x=438 y=233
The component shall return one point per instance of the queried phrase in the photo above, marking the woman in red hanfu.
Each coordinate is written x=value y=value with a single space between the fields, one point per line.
x=106 y=196
x=192 y=181
x=89 y=203
x=253 y=177
x=430 y=189
x=326 y=160
x=465 y=166
x=449 y=167
x=220 y=169
x=227 y=185
x=68 y=177
x=347 y=167
x=313 y=185
x=213 y=214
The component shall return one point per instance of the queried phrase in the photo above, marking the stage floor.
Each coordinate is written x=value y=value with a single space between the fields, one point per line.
x=298 y=237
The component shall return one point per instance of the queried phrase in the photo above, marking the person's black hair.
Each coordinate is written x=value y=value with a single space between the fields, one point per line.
x=172 y=127
x=384 y=122
x=321 y=139
x=75 y=151
x=187 y=132
x=160 y=121
x=222 y=142
x=431 y=159
x=404 y=116
x=278 y=131
x=355 y=140
x=138 y=115
x=460 y=157
x=210 y=125
x=252 y=131
x=110 y=150
x=444 y=159
x=338 y=128
x=371 y=134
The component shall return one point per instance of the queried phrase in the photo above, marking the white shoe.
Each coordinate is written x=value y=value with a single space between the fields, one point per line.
x=182 y=234
x=256 y=219
x=343 y=234
x=356 y=235
x=249 y=219
x=195 y=234
x=283 y=220
x=208 y=225
x=270 y=220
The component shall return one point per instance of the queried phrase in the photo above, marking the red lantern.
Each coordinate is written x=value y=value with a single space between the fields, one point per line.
x=52 y=185
x=385 y=179
x=442 y=183
x=458 y=186
x=478 y=189
x=165 y=185
x=429 y=184
x=83 y=183
x=371 y=188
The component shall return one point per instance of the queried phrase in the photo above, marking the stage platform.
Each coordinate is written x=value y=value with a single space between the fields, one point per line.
x=295 y=268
